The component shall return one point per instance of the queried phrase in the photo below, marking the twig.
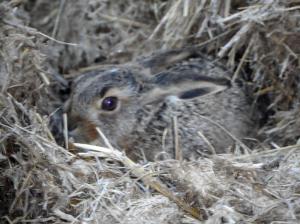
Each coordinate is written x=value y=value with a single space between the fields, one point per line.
x=65 y=122
x=235 y=39
x=106 y=141
x=238 y=69
x=289 y=9
x=186 y=8
x=34 y=31
x=213 y=150
x=227 y=8
x=44 y=78
x=178 y=151
x=56 y=41
x=213 y=39
x=164 y=137
x=65 y=216
x=264 y=91
x=57 y=21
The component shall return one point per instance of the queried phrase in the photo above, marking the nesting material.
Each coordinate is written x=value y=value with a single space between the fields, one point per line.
x=45 y=43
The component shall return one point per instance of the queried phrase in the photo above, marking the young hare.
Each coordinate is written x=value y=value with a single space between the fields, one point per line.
x=187 y=108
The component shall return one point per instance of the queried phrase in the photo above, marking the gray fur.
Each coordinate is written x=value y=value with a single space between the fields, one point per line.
x=153 y=101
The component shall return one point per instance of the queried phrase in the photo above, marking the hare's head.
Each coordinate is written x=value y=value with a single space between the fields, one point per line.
x=112 y=98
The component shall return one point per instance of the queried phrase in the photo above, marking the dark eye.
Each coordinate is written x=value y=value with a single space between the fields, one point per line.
x=109 y=103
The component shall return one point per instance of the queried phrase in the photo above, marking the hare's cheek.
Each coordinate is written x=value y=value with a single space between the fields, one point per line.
x=89 y=130
x=85 y=131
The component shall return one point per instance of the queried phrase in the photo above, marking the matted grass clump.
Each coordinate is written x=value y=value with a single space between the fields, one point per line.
x=43 y=44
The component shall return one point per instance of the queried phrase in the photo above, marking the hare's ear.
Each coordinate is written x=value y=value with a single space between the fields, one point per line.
x=183 y=86
x=161 y=60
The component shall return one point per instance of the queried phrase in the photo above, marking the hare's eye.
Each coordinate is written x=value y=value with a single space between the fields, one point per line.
x=109 y=103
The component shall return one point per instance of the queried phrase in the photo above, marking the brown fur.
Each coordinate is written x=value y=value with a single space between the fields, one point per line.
x=148 y=103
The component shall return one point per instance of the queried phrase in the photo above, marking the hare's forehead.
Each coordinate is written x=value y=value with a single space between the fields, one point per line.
x=98 y=84
x=112 y=77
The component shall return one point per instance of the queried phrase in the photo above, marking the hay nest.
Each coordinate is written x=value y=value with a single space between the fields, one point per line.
x=43 y=182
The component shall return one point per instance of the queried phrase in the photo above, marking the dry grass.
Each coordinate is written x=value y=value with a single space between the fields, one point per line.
x=43 y=182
